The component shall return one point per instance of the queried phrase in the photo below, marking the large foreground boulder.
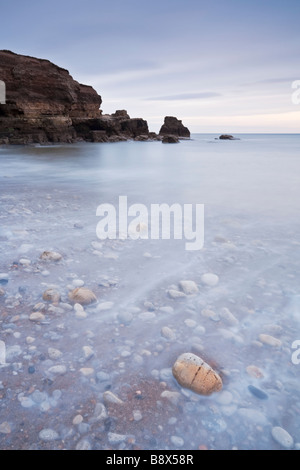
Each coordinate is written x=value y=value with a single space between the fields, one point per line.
x=192 y=372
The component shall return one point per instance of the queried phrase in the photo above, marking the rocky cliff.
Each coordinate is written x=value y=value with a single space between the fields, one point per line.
x=45 y=104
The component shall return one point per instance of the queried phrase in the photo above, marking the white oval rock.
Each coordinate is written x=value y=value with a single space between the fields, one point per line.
x=283 y=438
x=51 y=256
x=210 y=279
x=48 y=435
x=270 y=341
x=188 y=287
x=36 y=316
x=82 y=296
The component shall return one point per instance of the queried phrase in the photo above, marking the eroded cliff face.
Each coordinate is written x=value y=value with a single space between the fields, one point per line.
x=45 y=104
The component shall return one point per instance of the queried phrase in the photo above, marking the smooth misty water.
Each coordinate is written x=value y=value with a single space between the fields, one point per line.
x=49 y=196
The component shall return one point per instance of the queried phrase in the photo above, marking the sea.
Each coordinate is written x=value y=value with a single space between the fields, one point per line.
x=100 y=376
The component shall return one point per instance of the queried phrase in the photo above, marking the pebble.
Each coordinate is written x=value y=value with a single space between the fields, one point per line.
x=100 y=413
x=167 y=309
x=88 y=352
x=188 y=287
x=283 y=438
x=228 y=317
x=5 y=428
x=167 y=333
x=110 y=397
x=48 y=435
x=78 y=283
x=173 y=397
x=146 y=316
x=24 y=262
x=270 y=341
x=82 y=296
x=137 y=415
x=104 y=306
x=253 y=416
x=257 y=393
x=4 y=278
x=210 y=279
x=39 y=307
x=51 y=295
x=190 y=323
x=193 y=373
x=102 y=376
x=54 y=353
x=37 y=316
x=224 y=398
x=57 y=370
x=79 y=311
x=51 y=256
x=175 y=294
x=2 y=353
x=86 y=371
x=125 y=317
x=254 y=372
x=83 y=444
x=2 y=292
x=177 y=441
x=114 y=438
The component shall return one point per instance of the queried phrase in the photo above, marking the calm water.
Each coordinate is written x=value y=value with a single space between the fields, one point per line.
x=49 y=197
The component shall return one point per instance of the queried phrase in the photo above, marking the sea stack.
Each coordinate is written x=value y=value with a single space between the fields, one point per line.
x=174 y=127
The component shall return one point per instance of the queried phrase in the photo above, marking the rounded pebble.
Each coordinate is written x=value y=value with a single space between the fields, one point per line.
x=282 y=437
x=48 y=435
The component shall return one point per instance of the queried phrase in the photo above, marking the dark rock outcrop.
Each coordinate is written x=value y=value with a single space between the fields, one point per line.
x=227 y=137
x=45 y=104
x=170 y=139
x=172 y=126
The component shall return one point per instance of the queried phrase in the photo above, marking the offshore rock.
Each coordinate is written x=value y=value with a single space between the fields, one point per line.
x=172 y=126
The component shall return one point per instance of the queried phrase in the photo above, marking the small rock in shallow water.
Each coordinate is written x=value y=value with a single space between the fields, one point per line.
x=254 y=372
x=177 y=441
x=257 y=393
x=83 y=444
x=51 y=295
x=270 y=341
x=5 y=428
x=188 y=287
x=36 y=316
x=82 y=296
x=114 y=438
x=282 y=437
x=2 y=292
x=110 y=397
x=228 y=316
x=51 y=256
x=2 y=352
x=175 y=294
x=57 y=370
x=77 y=420
x=192 y=372
x=210 y=279
x=48 y=435
x=167 y=333
x=54 y=353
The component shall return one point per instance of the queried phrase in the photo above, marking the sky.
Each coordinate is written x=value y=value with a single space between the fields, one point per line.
x=221 y=66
